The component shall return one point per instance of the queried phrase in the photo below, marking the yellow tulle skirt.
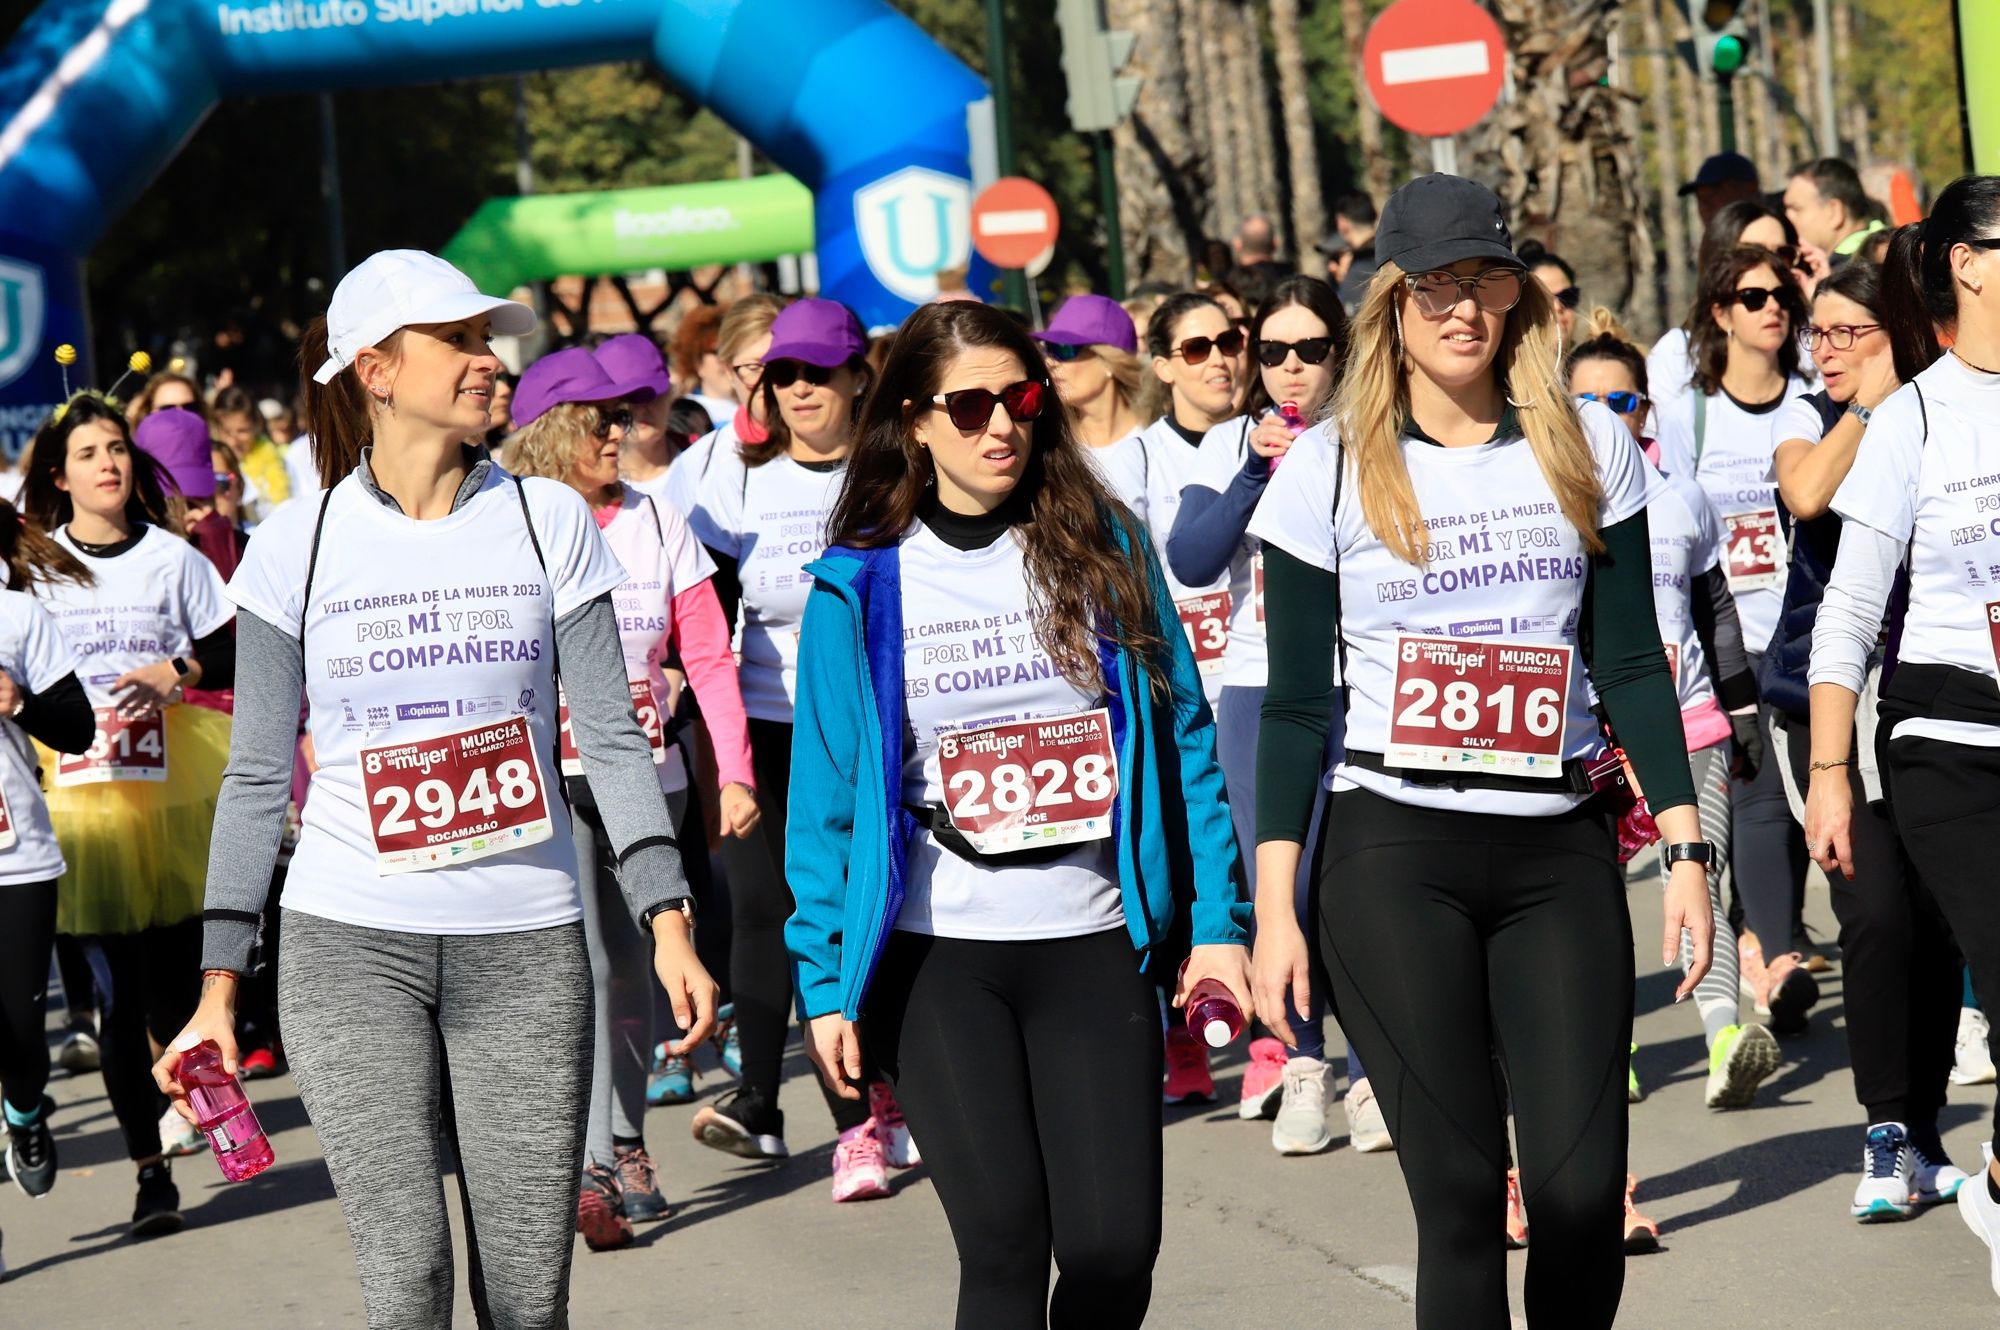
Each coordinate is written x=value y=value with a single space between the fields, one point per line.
x=138 y=850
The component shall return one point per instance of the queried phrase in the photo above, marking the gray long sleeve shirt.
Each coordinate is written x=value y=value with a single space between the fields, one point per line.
x=270 y=684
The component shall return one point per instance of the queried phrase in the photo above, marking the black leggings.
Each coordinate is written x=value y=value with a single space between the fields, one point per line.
x=1946 y=801
x=760 y=901
x=27 y=931
x=1902 y=991
x=1030 y=1074
x=1448 y=935
x=155 y=984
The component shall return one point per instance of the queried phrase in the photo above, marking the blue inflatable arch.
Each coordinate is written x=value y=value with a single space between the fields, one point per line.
x=96 y=96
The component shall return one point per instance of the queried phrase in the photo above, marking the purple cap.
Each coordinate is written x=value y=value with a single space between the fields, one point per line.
x=569 y=375
x=635 y=365
x=178 y=441
x=819 y=332
x=1089 y=320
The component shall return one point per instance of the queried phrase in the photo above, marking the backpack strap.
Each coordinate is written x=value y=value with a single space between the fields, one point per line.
x=1700 y=424
x=312 y=566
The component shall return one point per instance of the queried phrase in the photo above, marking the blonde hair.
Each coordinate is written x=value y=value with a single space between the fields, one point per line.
x=747 y=318
x=550 y=444
x=1374 y=399
x=1128 y=372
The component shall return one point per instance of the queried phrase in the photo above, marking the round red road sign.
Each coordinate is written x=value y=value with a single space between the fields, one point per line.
x=1434 y=67
x=1013 y=221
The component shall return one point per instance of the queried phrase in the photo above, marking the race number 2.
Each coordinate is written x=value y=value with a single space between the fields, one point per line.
x=1205 y=620
x=1754 y=550
x=124 y=748
x=455 y=798
x=1479 y=707
x=648 y=709
x=1030 y=783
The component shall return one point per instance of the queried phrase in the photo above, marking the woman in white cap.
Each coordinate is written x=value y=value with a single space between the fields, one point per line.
x=426 y=606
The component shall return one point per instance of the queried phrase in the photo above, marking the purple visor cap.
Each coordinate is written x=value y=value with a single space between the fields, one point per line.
x=178 y=442
x=1089 y=320
x=819 y=332
x=570 y=375
x=636 y=367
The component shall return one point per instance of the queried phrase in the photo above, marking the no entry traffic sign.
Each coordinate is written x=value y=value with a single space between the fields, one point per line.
x=1013 y=222
x=1434 y=67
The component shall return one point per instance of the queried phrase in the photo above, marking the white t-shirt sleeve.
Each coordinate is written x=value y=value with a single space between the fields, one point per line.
x=686 y=560
x=1220 y=456
x=580 y=565
x=203 y=595
x=1297 y=515
x=1880 y=488
x=1625 y=482
x=271 y=581
x=717 y=514
x=46 y=656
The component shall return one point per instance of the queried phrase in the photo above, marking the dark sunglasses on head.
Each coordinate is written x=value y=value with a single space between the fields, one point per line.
x=607 y=421
x=1195 y=350
x=1623 y=403
x=972 y=408
x=1790 y=256
x=1311 y=351
x=1754 y=298
x=782 y=374
x=1061 y=352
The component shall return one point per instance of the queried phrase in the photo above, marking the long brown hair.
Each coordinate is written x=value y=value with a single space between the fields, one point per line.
x=51 y=507
x=1080 y=583
x=336 y=412
x=31 y=557
x=1708 y=344
x=1374 y=397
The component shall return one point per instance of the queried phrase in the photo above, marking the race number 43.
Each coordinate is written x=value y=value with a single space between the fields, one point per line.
x=124 y=748
x=455 y=798
x=1205 y=620
x=1029 y=783
x=1754 y=551
x=1475 y=706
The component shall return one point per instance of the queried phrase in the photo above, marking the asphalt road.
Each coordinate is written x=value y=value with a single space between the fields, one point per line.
x=1752 y=1205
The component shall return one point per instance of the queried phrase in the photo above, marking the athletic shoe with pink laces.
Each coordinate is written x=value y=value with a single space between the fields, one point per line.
x=860 y=1173
x=897 y=1146
x=1781 y=986
x=1263 y=1081
x=1188 y=1076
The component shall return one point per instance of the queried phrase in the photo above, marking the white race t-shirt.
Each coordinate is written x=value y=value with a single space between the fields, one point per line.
x=1217 y=463
x=771 y=519
x=1505 y=567
x=1687 y=543
x=150 y=604
x=970 y=658
x=1735 y=469
x=1669 y=374
x=418 y=630
x=1947 y=489
x=661 y=559
x=35 y=654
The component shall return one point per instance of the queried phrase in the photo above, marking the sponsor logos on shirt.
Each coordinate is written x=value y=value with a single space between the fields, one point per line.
x=422 y=710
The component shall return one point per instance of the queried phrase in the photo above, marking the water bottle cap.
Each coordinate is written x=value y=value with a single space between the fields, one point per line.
x=1216 y=1033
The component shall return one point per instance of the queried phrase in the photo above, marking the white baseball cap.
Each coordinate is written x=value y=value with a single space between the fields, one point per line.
x=394 y=288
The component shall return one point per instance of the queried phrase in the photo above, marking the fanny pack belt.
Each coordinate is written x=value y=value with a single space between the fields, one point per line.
x=938 y=820
x=1575 y=778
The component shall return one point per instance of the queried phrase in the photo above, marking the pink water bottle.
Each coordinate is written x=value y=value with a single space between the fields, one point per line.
x=222 y=1110
x=1212 y=1014
x=1294 y=420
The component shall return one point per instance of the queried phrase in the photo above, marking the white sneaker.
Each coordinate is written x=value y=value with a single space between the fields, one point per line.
x=1888 y=1176
x=1981 y=1213
x=1974 y=1062
x=178 y=1136
x=1367 y=1132
x=1301 y=1127
x=1937 y=1179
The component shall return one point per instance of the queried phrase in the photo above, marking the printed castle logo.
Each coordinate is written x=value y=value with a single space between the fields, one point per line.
x=23 y=303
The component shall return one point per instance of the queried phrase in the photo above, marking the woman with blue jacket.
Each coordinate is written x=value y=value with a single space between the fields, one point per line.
x=1004 y=777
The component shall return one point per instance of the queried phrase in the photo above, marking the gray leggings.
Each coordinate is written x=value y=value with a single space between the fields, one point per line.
x=381 y=1027
x=1715 y=997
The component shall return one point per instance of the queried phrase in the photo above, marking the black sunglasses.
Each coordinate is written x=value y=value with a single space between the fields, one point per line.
x=1623 y=403
x=783 y=374
x=1195 y=350
x=972 y=408
x=1569 y=297
x=1311 y=350
x=1754 y=298
x=607 y=421
x=1061 y=352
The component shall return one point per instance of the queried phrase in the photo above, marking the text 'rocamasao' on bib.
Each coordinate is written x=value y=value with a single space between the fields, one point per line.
x=455 y=798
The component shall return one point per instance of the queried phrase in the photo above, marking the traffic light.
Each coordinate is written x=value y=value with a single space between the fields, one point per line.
x=1722 y=38
x=1092 y=56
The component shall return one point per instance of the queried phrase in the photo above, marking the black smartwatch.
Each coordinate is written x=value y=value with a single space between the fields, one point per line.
x=181 y=668
x=1697 y=851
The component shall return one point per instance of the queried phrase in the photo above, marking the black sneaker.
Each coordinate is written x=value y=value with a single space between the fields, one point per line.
x=1792 y=1000
x=159 y=1208
x=31 y=1153
x=743 y=1123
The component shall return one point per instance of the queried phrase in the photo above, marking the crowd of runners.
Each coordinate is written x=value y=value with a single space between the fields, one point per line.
x=963 y=695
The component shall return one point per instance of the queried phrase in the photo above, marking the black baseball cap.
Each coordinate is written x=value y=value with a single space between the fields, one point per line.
x=1437 y=219
x=1722 y=169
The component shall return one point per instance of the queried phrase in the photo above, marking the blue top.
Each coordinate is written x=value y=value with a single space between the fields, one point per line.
x=848 y=837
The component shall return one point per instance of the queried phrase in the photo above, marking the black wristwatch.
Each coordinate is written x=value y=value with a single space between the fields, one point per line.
x=1697 y=851
x=181 y=668
x=684 y=907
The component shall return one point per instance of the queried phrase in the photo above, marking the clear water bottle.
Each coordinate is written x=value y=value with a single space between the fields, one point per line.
x=223 y=1111
x=1212 y=1014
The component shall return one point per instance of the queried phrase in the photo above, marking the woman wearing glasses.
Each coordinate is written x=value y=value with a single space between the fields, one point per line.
x=1669 y=367
x=1473 y=548
x=1903 y=1003
x=761 y=510
x=571 y=428
x=742 y=339
x=1297 y=338
x=1559 y=280
x=1015 y=790
x=1746 y=358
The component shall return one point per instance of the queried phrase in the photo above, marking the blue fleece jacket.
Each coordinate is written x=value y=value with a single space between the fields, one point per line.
x=848 y=836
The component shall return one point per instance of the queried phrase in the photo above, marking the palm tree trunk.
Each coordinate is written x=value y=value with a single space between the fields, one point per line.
x=1667 y=161
x=1375 y=165
x=1308 y=212
x=1159 y=198
x=1644 y=307
x=1261 y=185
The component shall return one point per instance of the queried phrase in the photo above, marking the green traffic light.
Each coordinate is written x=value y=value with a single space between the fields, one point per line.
x=1728 y=55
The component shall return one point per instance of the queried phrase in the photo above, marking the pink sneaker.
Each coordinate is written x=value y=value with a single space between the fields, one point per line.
x=1263 y=1080
x=1188 y=1077
x=859 y=1172
x=897 y=1148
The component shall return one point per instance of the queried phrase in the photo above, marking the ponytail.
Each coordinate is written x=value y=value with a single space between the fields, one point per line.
x=1606 y=339
x=1909 y=309
x=337 y=411
x=31 y=557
